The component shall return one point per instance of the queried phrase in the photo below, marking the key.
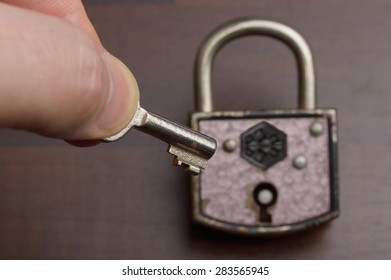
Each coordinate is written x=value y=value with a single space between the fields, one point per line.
x=191 y=149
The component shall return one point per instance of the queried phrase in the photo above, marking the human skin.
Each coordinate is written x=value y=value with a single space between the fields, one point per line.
x=56 y=78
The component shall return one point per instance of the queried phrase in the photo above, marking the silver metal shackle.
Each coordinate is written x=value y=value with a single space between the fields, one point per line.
x=243 y=27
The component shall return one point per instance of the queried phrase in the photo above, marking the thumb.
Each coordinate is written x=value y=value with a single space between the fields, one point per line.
x=57 y=81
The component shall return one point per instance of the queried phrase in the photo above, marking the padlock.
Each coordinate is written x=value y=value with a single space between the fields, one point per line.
x=274 y=171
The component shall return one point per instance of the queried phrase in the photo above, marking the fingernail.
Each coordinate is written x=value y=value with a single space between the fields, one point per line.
x=122 y=101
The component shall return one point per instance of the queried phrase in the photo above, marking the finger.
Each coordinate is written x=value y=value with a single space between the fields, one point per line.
x=70 y=10
x=55 y=80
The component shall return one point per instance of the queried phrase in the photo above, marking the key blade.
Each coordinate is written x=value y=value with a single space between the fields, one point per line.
x=191 y=149
x=178 y=135
x=190 y=161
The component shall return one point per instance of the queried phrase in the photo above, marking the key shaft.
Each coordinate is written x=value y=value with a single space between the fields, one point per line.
x=190 y=148
x=178 y=135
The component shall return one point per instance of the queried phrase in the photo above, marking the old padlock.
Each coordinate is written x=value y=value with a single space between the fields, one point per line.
x=274 y=171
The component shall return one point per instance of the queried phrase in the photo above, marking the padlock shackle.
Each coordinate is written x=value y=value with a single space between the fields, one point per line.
x=238 y=28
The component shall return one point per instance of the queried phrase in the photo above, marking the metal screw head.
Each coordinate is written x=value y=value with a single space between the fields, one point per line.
x=229 y=145
x=299 y=162
x=316 y=128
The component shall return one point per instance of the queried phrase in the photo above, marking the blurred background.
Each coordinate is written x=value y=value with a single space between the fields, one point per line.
x=125 y=201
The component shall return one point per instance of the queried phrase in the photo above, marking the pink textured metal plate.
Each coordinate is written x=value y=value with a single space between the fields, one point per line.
x=226 y=187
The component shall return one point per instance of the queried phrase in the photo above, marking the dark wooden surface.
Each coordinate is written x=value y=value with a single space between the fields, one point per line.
x=125 y=201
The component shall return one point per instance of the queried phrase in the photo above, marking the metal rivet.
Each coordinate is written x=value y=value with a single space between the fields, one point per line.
x=316 y=129
x=229 y=145
x=300 y=162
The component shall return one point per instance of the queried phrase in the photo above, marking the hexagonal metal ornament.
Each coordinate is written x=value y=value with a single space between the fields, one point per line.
x=263 y=145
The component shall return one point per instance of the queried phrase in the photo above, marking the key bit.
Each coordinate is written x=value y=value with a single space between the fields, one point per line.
x=191 y=149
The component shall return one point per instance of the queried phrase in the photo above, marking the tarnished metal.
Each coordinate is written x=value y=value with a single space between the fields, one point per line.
x=299 y=162
x=229 y=145
x=244 y=193
x=190 y=148
x=239 y=28
x=316 y=129
x=198 y=203
x=263 y=145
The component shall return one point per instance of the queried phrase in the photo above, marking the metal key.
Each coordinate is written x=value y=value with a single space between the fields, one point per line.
x=191 y=149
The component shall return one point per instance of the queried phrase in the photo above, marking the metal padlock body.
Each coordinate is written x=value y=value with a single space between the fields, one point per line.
x=288 y=157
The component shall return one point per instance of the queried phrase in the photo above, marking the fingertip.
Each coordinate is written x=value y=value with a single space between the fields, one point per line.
x=123 y=98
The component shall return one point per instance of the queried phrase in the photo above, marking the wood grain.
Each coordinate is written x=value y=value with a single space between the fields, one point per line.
x=125 y=201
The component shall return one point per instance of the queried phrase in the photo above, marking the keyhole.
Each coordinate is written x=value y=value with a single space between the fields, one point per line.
x=265 y=195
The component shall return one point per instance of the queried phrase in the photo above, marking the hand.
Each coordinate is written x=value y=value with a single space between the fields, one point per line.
x=56 y=79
